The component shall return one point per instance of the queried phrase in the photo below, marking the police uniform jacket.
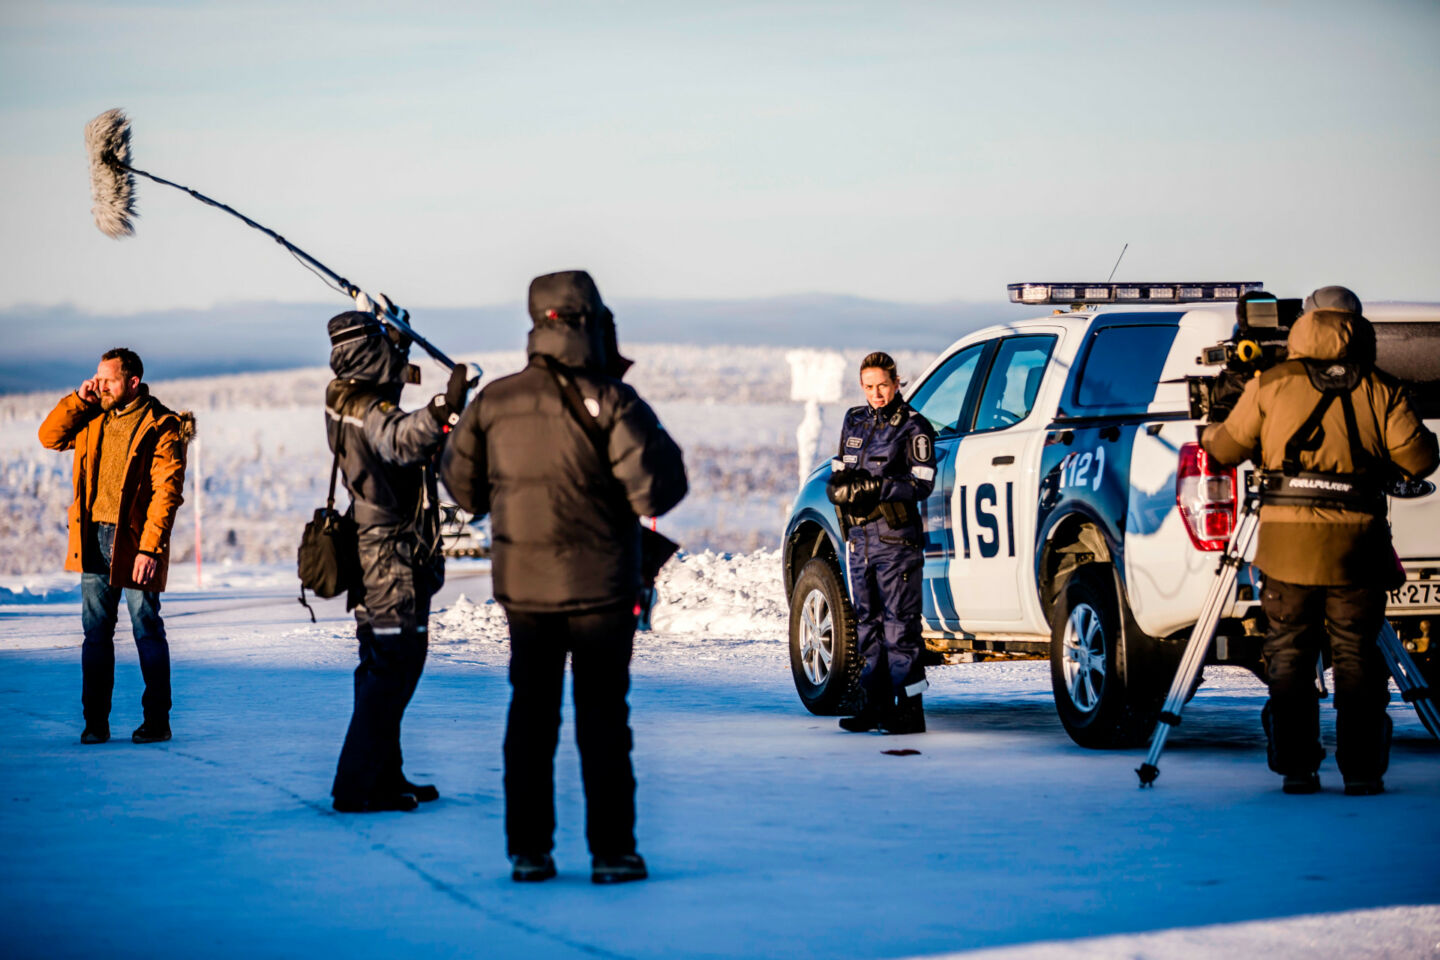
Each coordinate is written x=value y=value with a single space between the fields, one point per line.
x=894 y=443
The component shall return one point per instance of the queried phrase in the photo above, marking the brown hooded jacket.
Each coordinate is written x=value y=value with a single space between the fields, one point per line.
x=1318 y=545
x=151 y=492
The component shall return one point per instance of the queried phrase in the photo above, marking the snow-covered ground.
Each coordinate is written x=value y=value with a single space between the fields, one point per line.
x=768 y=831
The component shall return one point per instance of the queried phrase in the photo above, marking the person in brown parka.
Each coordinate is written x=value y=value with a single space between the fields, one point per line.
x=1327 y=430
x=129 y=475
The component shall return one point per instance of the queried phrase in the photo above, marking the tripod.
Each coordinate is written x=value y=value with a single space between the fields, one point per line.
x=1216 y=600
x=1413 y=688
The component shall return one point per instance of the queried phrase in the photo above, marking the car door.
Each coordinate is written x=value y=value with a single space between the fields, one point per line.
x=995 y=477
x=945 y=398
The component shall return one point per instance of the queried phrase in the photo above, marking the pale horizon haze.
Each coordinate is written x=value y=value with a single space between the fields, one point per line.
x=912 y=152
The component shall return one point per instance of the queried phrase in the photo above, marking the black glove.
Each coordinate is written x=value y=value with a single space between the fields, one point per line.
x=446 y=407
x=855 y=491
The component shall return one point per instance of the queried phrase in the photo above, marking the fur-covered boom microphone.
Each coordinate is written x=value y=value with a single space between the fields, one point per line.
x=112 y=185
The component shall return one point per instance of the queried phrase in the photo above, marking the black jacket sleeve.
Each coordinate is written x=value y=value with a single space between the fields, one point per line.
x=404 y=439
x=464 y=467
x=644 y=458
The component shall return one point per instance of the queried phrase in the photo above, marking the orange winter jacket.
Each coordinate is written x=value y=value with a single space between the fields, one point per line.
x=150 y=494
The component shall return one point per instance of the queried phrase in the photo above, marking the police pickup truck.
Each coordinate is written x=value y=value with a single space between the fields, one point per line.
x=1075 y=517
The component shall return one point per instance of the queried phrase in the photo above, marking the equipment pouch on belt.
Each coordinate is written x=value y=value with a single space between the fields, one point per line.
x=897 y=513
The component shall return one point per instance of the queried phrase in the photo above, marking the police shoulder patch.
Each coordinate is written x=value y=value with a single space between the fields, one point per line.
x=920 y=448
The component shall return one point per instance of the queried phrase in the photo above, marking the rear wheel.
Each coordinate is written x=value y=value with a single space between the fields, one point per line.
x=1090 y=693
x=823 y=650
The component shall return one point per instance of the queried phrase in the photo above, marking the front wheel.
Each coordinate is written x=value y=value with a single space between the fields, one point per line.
x=1090 y=693
x=824 y=655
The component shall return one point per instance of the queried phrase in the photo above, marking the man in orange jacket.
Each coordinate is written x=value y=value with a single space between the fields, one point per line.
x=129 y=473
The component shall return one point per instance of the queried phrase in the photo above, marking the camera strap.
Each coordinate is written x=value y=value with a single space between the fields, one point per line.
x=1359 y=490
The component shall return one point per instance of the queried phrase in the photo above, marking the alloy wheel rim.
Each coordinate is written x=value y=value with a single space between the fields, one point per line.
x=1084 y=658
x=817 y=637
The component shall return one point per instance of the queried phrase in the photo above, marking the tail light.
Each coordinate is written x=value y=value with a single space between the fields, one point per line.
x=1205 y=495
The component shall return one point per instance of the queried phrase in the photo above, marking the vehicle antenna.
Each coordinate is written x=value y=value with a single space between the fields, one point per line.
x=1117 y=263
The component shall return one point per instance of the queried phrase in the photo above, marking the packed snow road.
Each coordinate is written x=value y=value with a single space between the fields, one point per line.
x=769 y=833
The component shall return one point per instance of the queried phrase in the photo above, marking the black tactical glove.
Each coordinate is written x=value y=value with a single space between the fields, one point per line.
x=446 y=407
x=854 y=491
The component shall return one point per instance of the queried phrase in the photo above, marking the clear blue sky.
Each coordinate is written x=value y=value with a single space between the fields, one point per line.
x=908 y=151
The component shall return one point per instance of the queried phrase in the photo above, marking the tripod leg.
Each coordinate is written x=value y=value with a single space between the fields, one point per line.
x=1200 y=638
x=1413 y=688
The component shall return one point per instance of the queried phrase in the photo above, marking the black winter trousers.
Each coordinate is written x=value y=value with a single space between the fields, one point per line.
x=393 y=645
x=1302 y=619
x=598 y=644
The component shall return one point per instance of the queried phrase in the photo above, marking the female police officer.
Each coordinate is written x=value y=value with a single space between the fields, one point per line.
x=885 y=467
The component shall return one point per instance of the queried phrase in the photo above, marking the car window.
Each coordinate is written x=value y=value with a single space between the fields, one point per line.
x=1013 y=382
x=941 y=398
x=1123 y=365
x=1410 y=352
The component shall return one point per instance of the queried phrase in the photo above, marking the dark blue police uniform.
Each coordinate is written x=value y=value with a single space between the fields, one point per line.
x=895 y=445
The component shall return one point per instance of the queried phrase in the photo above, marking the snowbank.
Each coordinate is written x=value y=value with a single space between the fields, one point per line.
x=41 y=588
x=703 y=598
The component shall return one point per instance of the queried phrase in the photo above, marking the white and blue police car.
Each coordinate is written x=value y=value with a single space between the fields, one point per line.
x=1075 y=516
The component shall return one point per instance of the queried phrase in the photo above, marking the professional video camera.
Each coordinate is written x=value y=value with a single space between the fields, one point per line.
x=1262 y=325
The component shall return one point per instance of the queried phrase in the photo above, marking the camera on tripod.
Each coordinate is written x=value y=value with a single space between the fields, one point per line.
x=1262 y=325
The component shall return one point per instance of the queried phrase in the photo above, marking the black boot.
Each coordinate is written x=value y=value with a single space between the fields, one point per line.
x=95 y=733
x=380 y=803
x=151 y=731
x=1301 y=783
x=908 y=716
x=422 y=792
x=621 y=869
x=531 y=868
x=863 y=721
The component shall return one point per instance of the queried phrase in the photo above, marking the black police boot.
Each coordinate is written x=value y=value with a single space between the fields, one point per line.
x=95 y=733
x=1301 y=783
x=151 y=731
x=531 y=867
x=872 y=715
x=908 y=716
x=621 y=869
x=867 y=719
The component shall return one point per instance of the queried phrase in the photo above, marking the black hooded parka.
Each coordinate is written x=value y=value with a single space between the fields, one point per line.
x=564 y=524
x=386 y=457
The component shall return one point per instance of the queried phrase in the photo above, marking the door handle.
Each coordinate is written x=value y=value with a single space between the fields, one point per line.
x=1002 y=461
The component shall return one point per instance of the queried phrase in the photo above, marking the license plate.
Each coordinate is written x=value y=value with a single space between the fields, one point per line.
x=1416 y=593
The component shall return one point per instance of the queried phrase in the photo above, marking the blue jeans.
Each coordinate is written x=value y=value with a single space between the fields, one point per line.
x=99 y=608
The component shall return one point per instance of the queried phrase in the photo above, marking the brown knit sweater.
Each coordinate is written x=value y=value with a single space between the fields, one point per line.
x=116 y=433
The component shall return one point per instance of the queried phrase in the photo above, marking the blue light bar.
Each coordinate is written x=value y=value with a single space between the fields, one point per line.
x=1188 y=292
